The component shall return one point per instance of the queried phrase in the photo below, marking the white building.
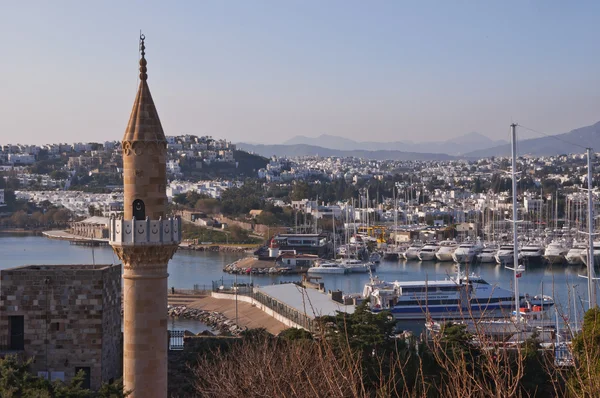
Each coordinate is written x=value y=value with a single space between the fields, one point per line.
x=21 y=158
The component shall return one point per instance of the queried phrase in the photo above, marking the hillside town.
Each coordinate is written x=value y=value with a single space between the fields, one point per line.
x=84 y=178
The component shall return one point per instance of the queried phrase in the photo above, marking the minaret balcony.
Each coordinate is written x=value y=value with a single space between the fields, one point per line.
x=144 y=232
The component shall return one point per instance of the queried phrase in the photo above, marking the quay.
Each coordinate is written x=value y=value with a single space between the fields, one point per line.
x=248 y=315
x=85 y=241
x=289 y=303
x=64 y=235
x=273 y=307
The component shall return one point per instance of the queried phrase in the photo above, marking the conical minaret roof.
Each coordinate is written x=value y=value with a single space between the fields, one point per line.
x=144 y=123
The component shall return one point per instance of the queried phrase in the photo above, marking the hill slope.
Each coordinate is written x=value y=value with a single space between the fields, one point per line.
x=312 y=150
x=588 y=136
x=455 y=146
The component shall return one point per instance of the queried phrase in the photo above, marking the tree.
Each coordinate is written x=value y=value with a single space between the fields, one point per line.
x=17 y=381
x=293 y=334
x=585 y=378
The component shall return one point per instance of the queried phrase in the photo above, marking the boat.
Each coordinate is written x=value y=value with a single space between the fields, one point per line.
x=452 y=298
x=467 y=251
x=533 y=320
x=375 y=257
x=584 y=254
x=446 y=250
x=327 y=267
x=573 y=256
x=556 y=252
x=412 y=253
x=532 y=253
x=505 y=254
x=391 y=254
x=487 y=255
x=427 y=252
x=356 y=266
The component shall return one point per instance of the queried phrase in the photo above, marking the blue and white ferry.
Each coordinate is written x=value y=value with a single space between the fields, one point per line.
x=453 y=298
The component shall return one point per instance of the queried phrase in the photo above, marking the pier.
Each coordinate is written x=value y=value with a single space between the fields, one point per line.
x=88 y=242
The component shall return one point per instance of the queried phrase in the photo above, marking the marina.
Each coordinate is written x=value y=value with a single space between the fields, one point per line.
x=198 y=270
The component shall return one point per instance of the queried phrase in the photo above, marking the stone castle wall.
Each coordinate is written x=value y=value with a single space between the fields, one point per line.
x=71 y=317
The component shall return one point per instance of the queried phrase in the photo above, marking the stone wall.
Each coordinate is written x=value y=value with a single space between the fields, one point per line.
x=71 y=317
x=257 y=228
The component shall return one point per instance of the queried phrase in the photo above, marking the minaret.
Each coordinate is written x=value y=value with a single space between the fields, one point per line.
x=145 y=241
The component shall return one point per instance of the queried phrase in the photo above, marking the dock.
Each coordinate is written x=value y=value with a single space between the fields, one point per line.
x=248 y=265
x=75 y=239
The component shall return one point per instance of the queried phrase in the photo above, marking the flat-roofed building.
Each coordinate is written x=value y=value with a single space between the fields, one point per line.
x=66 y=317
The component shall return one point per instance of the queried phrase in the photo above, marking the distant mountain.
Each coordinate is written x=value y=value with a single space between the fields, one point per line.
x=312 y=150
x=455 y=146
x=588 y=136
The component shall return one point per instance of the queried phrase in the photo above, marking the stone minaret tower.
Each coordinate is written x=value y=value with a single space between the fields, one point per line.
x=145 y=241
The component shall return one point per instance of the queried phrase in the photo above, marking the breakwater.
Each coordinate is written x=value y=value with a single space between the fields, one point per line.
x=215 y=320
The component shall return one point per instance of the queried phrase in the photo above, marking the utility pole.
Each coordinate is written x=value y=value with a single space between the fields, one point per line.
x=236 y=300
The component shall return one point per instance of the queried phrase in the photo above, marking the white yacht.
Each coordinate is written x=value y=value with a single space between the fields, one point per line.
x=427 y=252
x=356 y=266
x=487 y=255
x=446 y=250
x=505 y=254
x=532 y=253
x=584 y=254
x=573 y=256
x=467 y=251
x=412 y=253
x=327 y=267
x=556 y=251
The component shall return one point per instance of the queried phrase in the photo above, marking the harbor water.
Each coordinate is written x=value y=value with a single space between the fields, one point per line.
x=189 y=269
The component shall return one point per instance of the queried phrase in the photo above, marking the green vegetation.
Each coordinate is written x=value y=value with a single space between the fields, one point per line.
x=95 y=183
x=17 y=381
x=247 y=166
x=35 y=216
x=585 y=378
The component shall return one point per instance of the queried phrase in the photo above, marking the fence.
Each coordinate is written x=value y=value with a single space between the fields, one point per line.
x=247 y=289
x=176 y=340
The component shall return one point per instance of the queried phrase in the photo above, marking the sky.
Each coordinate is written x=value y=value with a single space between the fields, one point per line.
x=264 y=71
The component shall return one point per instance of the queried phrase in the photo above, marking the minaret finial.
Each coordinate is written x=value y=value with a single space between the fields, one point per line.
x=143 y=69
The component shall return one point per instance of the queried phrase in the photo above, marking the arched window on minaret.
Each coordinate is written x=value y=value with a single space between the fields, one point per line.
x=139 y=209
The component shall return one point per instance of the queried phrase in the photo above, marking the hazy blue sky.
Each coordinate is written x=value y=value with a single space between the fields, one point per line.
x=260 y=71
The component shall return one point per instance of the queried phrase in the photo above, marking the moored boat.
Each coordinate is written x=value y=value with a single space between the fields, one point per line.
x=412 y=253
x=446 y=250
x=427 y=252
x=532 y=253
x=453 y=298
x=556 y=252
x=584 y=254
x=327 y=267
x=467 y=251
x=505 y=254
x=487 y=255
x=573 y=256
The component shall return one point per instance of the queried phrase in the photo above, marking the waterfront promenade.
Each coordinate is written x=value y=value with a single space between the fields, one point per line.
x=185 y=245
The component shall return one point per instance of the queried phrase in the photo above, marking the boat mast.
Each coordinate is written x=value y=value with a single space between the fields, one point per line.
x=590 y=274
x=513 y=137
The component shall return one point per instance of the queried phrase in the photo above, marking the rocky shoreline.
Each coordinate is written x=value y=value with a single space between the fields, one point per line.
x=215 y=320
